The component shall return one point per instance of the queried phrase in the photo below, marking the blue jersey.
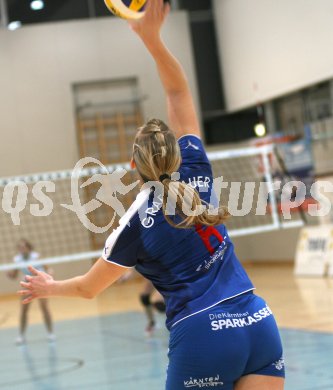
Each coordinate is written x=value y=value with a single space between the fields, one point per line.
x=194 y=269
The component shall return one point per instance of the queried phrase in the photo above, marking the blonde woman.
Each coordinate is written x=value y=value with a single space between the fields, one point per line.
x=221 y=334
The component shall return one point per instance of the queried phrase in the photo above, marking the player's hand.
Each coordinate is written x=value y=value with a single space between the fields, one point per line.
x=38 y=285
x=50 y=271
x=149 y=26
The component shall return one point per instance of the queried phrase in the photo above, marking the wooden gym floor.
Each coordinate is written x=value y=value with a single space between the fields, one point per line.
x=101 y=344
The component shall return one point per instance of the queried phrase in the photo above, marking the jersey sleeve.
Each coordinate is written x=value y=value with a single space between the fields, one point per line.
x=123 y=245
x=196 y=169
x=193 y=152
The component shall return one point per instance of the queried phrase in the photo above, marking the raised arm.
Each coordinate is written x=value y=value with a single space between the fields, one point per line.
x=181 y=109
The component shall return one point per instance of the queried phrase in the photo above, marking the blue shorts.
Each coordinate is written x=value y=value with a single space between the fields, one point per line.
x=215 y=348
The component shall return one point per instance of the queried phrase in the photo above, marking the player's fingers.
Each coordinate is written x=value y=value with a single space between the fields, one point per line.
x=149 y=9
x=167 y=8
x=24 y=292
x=26 y=285
x=158 y=7
x=161 y=4
x=33 y=270
x=28 y=300
x=28 y=278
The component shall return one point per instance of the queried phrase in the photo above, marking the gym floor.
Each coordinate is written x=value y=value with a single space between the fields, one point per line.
x=101 y=344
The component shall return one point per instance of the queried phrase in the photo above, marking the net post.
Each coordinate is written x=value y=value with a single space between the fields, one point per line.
x=271 y=196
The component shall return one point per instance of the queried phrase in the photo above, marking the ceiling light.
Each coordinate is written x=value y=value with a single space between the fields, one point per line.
x=37 y=5
x=14 y=25
x=260 y=129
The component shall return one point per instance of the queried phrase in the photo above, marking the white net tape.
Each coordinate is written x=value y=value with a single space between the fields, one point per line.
x=61 y=237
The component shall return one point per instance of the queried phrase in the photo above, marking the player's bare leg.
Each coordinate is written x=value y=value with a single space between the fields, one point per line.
x=24 y=309
x=145 y=298
x=149 y=306
x=43 y=303
x=260 y=382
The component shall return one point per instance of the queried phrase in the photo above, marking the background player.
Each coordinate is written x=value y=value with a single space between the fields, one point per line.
x=221 y=334
x=27 y=253
x=149 y=303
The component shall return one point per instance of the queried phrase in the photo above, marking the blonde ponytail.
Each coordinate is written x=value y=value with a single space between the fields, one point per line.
x=188 y=205
x=157 y=156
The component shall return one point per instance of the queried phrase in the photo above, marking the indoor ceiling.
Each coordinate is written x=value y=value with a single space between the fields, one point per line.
x=50 y=10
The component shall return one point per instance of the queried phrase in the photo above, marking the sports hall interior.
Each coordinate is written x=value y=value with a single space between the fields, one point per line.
x=75 y=82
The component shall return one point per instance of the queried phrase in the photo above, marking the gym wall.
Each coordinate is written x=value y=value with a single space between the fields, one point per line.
x=269 y=48
x=40 y=63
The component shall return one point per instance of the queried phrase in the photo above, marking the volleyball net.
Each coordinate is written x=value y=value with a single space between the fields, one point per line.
x=40 y=207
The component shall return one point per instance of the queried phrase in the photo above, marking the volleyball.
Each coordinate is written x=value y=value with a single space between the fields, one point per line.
x=126 y=9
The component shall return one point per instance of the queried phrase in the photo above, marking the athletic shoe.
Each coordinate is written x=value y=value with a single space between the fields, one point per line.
x=20 y=340
x=150 y=328
x=51 y=337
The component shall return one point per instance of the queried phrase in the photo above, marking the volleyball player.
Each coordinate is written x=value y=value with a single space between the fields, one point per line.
x=221 y=334
x=149 y=305
x=27 y=253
